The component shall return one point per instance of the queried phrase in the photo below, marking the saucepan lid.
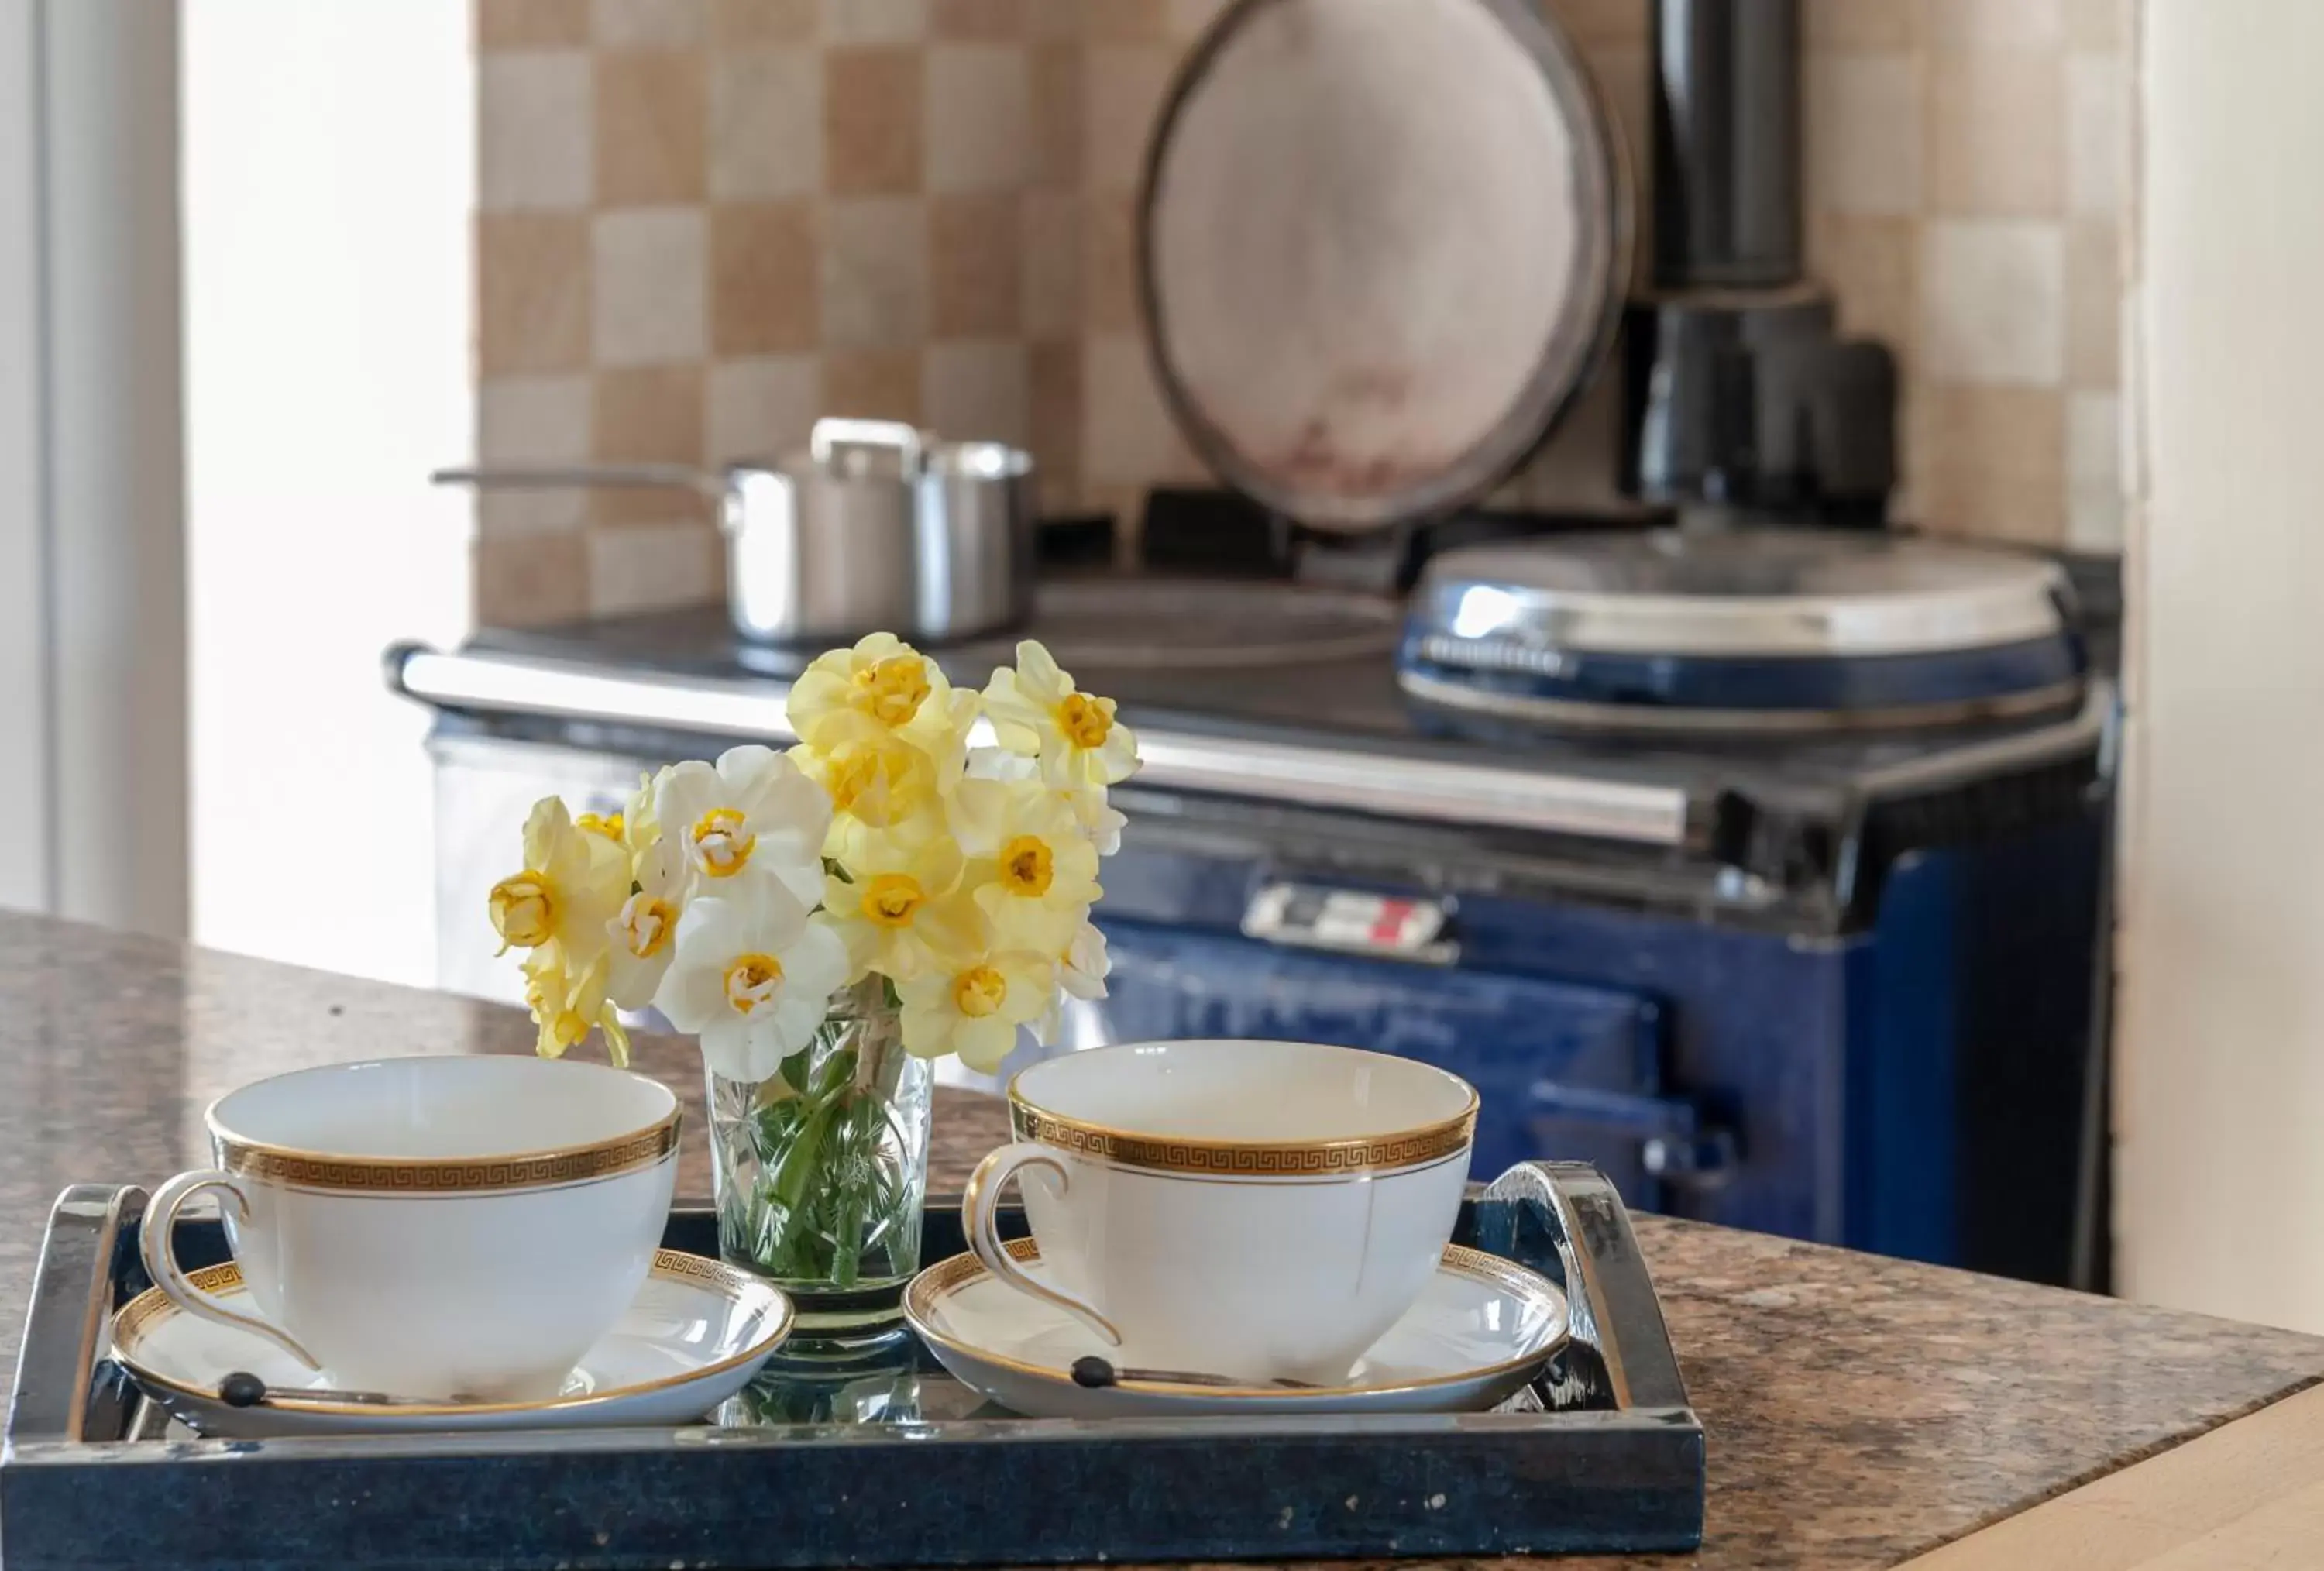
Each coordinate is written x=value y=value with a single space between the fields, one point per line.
x=1383 y=244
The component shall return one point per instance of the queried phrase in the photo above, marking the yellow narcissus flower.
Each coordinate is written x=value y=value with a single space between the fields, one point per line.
x=880 y=785
x=1035 y=709
x=754 y=977
x=566 y=1000
x=1100 y=823
x=901 y=909
x=881 y=687
x=753 y=811
x=1032 y=868
x=974 y=1006
x=574 y=881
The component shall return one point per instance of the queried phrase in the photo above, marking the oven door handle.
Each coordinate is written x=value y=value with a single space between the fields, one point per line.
x=1677 y=1144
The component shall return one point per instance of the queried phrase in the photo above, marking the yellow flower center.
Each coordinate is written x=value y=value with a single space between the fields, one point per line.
x=720 y=845
x=752 y=980
x=890 y=899
x=1085 y=720
x=1027 y=865
x=879 y=782
x=525 y=909
x=891 y=690
x=609 y=824
x=979 y=991
x=647 y=925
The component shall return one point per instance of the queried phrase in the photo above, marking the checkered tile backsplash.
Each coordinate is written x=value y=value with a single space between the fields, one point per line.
x=706 y=221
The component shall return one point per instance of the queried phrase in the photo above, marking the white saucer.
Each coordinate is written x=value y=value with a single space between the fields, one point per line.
x=1481 y=1329
x=695 y=1334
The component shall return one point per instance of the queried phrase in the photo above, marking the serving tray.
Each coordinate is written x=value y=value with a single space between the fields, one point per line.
x=895 y=1466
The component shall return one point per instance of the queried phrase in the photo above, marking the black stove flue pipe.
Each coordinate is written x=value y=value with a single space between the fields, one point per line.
x=1727 y=144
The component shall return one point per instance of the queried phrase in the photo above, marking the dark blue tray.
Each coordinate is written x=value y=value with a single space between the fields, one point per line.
x=1602 y=1454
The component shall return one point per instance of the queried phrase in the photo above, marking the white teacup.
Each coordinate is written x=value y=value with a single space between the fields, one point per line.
x=442 y=1227
x=1261 y=1210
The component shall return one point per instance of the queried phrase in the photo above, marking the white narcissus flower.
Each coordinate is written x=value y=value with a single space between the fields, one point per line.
x=644 y=931
x=753 y=979
x=753 y=811
x=1035 y=710
x=974 y=1007
x=1086 y=965
x=1032 y=868
x=901 y=908
x=881 y=686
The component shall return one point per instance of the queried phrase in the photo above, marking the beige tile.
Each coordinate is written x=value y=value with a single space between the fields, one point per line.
x=875 y=273
x=1056 y=18
x=977 y=390
x=1997 y=134
x=1603 y=21
x=1862 y=24
x=1993 y=303
x=1128 y=437
x=653 y=567
x=648 y=23
x=983 y=20
x=533 y=120
x=2094 y=286
x=1126 y=21
x=1994 y=23
x=979 y=117
x=1873 y=267
x=1863 y=133
x=1110 y=262
x=532 y=292
x=651 y=115
x=1054 y=115
x=1123 y=96
x=765 y=290
x=872 y=117
x=2097 y=139
x=651 y=415
x=1995 y=465
x=2094 y=478
x=873 y=385
x=531 y=419
x=875 y=21
x=650 y=267
x=1050 y=263
x=766 y=124
x=763 y=408
x=531 y=24
x=529 y=581
x=1053 y=419
x=1190 y=19
x=2095 y=24
x=975 y=284
x=765 y=21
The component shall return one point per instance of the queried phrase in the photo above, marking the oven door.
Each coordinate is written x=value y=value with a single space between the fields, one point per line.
x=1563 y=1071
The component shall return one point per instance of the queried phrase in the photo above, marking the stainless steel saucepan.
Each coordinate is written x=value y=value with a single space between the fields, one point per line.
x=874 y=527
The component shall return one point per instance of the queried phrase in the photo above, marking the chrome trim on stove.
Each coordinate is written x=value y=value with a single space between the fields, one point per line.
x=1576 y=715
x=1437 y=790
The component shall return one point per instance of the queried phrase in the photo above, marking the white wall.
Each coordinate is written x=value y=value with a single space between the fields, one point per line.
x=2221 y=1036
x=329 y=177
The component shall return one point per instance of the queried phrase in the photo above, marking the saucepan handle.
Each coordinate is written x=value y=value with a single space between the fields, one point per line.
x=155 y=1247
x=979 y=1218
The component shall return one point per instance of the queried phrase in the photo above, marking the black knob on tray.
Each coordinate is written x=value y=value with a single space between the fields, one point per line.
x=242 y=1389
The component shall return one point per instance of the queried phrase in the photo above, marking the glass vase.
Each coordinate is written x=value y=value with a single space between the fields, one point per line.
x=820 y=1172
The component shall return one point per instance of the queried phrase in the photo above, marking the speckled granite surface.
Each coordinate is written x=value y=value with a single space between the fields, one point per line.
x=1859 y=1410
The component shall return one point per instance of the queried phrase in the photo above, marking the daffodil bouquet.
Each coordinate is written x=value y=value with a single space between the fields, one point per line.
x=830 y=919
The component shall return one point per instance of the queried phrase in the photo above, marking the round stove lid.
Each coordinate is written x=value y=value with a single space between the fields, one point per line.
x=1764 y=593
x=1383 y=244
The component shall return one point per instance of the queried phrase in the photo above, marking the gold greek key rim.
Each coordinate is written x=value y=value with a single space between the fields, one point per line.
x=739 y=1287
x=939 y=1281
x=1235 y=1158
x=392 y=1176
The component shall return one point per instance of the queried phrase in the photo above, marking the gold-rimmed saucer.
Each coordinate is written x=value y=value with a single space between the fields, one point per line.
x=1481 y=1328
x=696 y=1333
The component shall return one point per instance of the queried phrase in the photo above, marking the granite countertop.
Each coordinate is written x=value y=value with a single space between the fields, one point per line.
x=1859 y=1410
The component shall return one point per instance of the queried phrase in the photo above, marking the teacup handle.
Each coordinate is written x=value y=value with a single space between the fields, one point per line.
x=980 y=1206
x=155 y=1247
